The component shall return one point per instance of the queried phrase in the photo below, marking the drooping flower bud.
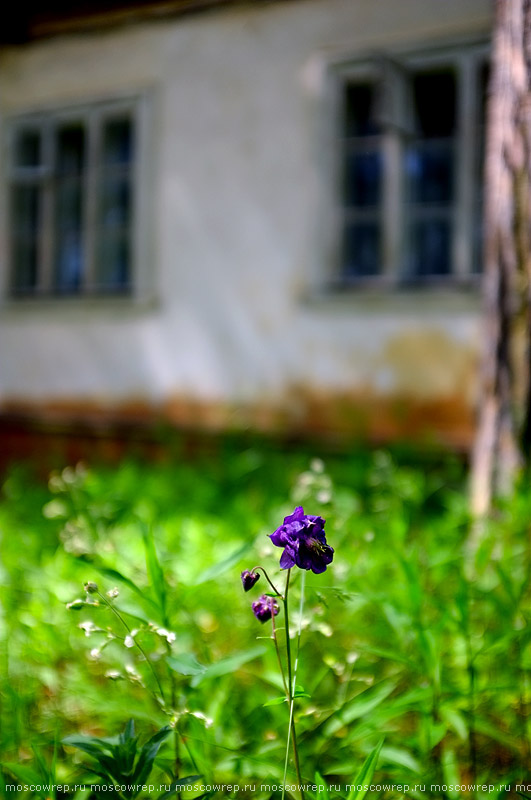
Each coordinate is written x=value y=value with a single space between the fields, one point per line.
x=249 y=579
x=264 y=608
x=90 y=587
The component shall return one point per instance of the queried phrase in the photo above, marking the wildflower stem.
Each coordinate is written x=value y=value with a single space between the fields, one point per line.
x=268 y=579
x=173 y=701
x=291 y=690
x=128 y=629
x=281 y=668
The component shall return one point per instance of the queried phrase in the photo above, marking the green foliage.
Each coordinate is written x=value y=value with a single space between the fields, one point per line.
x=418 y=633
x=119 y=762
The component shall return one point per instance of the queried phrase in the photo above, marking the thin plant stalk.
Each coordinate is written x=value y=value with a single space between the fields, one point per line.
x=173 y=701
x=286 y=689
x=268 y=579
x=128 y=629
x=277 y=650
x=291 y=687
x=299 y=632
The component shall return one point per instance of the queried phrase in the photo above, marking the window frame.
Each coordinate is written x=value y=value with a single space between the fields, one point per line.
x=465 y=56
x=92 y=114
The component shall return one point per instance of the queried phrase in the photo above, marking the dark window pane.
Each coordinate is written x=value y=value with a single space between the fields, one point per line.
x=24 y=224
x=483 y=79
x=430 y=248
x=429 y=169
x=113 y=262
x=24 y=261
x=362 y=178
x=434 y=99
x=115 y=205
x=69 y=261
x=118 y=141
x=478 y=239
x=71 y=150
x=68 y=208
x=68 y=236
x=484 y=85
x=68 y=205
x=359 y=118
x=28 y=148
x=361 y=249
x=25 y=209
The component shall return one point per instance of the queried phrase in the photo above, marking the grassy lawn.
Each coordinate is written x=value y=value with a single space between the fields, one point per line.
x=416 y=634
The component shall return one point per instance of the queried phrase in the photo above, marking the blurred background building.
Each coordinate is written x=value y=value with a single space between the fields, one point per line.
x=225 y=215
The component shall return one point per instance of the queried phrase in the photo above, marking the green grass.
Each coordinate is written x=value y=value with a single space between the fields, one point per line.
x=413 y=635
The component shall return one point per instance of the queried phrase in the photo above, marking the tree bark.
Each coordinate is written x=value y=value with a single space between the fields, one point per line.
x=503 y=438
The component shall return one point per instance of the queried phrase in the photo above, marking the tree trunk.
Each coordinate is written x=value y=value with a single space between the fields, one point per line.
x=503 y=438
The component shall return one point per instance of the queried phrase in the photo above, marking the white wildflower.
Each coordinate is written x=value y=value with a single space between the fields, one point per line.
x=132 y=674
x=168 y=635
x=76 y=604
x=88 y=627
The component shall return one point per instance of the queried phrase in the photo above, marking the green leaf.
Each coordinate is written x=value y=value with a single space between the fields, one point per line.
x=109 y=572
x=227 y=665
x=22 y=772
x=391 y=655
x=276 y=701
x=451 y=773
x=299 y=692
x=129 y=732
x=182 y=783
x=88 y=744
x=218 y=569
x=398 y=755
x=362 y=705
x=43 y=766
x=323 y=787
x=147 y=755
x=185 y=664
x=364 y=776
x=455 y=721
x=154 y=571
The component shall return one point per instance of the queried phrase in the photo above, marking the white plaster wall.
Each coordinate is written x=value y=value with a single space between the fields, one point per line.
x=232 y=217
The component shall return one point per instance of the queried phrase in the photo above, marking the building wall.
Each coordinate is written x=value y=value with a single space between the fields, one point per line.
x=233 y=328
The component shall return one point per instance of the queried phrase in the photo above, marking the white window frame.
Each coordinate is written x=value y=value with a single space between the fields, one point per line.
x=91 y=114
x=466 y=57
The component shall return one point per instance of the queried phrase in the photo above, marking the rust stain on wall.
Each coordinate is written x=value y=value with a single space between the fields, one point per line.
x=431 y=364
x=83 y=429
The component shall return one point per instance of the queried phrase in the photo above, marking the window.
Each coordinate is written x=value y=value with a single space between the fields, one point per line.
x=72 y=201
x=410 y=167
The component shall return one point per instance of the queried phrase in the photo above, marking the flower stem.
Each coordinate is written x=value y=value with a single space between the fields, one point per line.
x=173 y=701
x=268 y=579
x=128 y=629
x=290 y=695
x=281 y=668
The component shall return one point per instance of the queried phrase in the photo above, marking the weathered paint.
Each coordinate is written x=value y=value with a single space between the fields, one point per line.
x=231 y=331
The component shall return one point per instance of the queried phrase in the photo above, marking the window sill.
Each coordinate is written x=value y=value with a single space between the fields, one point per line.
x=380 y=296
x=75 y=305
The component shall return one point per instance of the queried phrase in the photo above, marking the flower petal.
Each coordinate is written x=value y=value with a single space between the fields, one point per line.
x=287 y=559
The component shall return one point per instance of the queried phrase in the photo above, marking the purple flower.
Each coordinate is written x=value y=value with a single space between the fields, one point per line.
x=264 y=608
x=303 y=538
x=249 y=579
